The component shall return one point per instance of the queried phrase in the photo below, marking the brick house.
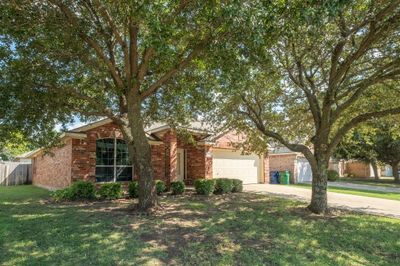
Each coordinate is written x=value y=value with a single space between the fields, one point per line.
x=283 y=159
x=359 y=169
x=98 y=153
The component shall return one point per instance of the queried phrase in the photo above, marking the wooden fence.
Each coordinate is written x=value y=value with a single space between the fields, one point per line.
x=15 y=173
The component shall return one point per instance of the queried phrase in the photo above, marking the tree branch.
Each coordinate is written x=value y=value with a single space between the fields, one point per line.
x=133 y=48
x=169 y=74
x=258 y=122
x=71 y=17
x=357 y=120
x=101 y=109
x=144 y=66
x=359 y=89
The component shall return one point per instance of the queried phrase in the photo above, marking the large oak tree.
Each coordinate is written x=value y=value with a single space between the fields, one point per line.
x=335 y=65
x=94 y=58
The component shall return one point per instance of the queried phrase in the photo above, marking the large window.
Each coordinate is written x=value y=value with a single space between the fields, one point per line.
x=112 y=161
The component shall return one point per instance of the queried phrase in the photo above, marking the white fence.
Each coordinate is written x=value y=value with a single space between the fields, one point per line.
x=15 y=173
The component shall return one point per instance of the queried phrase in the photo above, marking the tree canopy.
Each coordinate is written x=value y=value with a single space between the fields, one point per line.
x=333 y=66
x=134 y=62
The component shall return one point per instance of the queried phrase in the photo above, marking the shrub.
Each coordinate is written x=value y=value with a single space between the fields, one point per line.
x=237 y=185
x=77 y=191
x=83 y=190
x=332 y=175
x=204 y=186
x=223 y=185
x=177 y=187
x=160 y=187
x=110 y=191
x=62 y=195
x=133 y=189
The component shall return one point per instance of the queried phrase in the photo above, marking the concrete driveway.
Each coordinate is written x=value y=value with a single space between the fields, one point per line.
x=356 y=203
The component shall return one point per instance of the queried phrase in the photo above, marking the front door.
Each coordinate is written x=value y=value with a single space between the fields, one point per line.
x=180 y=164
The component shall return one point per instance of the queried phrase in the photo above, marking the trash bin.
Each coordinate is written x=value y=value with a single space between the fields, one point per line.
x=284 y=177
x=274 y=177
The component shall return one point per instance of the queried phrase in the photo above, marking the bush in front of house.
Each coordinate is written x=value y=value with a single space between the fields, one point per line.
x=223 y=185
x=133 y=189
x=80 y=190
x=204 y=186
x=332 y=175
x=110 y=191
x=83 y=190
x=237 y=185
x=62 y=195
x=177 y=187
x=160 y=187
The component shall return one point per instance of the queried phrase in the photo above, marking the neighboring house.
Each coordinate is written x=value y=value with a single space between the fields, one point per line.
x=97 y=152
x=387 y=170
x=358 y=169
x=283 y=159
x=25 y=157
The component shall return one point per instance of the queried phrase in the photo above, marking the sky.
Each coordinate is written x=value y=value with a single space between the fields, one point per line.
x=77 y=123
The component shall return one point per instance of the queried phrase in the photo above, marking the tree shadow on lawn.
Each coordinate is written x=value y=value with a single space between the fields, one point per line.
x=231 y=229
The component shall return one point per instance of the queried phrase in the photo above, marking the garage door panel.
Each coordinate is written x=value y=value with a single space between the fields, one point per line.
x=235 y=165
x=304 y=173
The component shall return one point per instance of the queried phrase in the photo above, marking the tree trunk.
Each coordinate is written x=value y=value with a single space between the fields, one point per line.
x=140 y=152
x=376 y=170
x=319 y=197
x=395 y=168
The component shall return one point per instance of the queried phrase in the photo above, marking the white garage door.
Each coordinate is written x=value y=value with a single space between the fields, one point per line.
x=304 y=173
x=232 y=164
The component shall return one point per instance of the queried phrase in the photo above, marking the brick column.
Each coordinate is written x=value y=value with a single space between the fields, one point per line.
x=266 y=169
x=208 y=162
x=171 y=145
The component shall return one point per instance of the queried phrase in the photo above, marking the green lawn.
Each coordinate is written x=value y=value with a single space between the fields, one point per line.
x=359 y=192
x=237 y=229
x=383 y=182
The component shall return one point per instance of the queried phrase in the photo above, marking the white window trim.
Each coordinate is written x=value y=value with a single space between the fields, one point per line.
x=114 y=166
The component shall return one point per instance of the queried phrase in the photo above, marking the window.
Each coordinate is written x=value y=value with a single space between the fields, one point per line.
x=112 y=161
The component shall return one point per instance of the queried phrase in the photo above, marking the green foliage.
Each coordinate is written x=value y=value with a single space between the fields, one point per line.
x=332 y=175
x=80 y=190
x=387 y=141
x=54 y=65
x=110 y=191
x=160 y=187
x=223 y=185
x=237 y=185
x=133 y=189
x=65 y=194
x=13 y=144
x=177 y=187
x=374 y=142
x=358 y=145
x=83 y=190
x=204 y=186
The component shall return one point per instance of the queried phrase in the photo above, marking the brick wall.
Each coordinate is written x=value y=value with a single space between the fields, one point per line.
x=266 y=169
x=171 y=149
x=53 y=171
x=77 y=160
x=198 y=165
x=358 y=169
x=84 y=154
x=229 y=140
x=283 y=162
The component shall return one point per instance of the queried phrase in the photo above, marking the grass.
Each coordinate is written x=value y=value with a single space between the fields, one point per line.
x=358 y=192
x=236 y=229
x=383 y=182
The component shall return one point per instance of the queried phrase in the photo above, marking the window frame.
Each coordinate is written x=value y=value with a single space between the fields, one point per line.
x=114 y=166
